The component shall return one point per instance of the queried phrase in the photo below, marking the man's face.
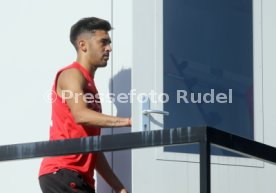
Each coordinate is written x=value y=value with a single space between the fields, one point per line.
x=98 y=48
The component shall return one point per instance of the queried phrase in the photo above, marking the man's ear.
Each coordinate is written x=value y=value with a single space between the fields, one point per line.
x=82 y=45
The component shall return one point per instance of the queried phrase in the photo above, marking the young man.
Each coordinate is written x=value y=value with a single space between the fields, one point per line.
x=74 y=116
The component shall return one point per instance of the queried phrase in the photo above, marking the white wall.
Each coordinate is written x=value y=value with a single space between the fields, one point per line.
x=269 y=69
x=34 y=45
x=269 y=88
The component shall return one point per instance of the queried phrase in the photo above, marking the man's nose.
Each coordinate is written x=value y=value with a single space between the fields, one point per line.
x=109 y=48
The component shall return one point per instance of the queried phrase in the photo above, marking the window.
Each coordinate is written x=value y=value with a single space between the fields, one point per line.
x=208 y=66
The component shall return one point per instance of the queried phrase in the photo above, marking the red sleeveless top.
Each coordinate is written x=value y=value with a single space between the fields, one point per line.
x=64 y=127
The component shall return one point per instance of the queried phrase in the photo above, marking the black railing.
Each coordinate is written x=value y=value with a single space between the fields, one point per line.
x=205 y=136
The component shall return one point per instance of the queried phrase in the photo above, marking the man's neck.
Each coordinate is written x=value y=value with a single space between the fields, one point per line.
x=90 y=68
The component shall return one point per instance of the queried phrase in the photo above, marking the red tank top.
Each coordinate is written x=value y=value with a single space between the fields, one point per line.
x=64 y=127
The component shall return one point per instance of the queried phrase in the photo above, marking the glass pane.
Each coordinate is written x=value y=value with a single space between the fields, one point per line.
x=208 y=66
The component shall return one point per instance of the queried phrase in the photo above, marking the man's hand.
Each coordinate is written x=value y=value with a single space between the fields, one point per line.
x=123 y=191
x=104 y=169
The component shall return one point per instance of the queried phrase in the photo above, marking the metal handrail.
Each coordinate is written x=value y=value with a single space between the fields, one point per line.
x=205 y=136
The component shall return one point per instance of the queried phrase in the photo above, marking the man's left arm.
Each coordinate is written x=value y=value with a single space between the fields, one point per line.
x=106 y=172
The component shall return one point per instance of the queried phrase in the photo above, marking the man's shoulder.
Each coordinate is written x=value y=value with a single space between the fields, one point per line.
x=69 y=67
x=70 y=70
x=71 y=74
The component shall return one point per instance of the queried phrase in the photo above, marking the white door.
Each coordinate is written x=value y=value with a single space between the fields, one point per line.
x=149 y=174
x=195 y=60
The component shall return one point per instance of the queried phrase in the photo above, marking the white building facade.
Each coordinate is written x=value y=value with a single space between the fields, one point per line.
x=158 y=47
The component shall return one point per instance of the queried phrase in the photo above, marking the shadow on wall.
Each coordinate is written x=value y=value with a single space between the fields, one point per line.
x=121 y=160
x=121 y=83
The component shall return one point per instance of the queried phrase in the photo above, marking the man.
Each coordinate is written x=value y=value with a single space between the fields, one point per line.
x=74 y=116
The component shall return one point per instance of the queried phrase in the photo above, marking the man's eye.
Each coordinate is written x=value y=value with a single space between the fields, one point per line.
x=106 y=42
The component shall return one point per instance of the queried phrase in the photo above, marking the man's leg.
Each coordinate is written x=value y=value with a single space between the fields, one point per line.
x=64 y=181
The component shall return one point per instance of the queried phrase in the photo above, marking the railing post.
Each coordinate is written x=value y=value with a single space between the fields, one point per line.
x=205 y=174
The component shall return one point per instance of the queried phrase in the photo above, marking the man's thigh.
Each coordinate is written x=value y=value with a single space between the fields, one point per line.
x=64 y=181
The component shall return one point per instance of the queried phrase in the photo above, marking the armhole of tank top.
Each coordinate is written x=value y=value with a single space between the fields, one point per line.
x=55 y=83
x=58 y=74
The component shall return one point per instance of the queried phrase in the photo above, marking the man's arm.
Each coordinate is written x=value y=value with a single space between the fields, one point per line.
x=72 y=80
x=106 y=172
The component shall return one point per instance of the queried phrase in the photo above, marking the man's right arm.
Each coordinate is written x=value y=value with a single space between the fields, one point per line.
x=73 y=81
